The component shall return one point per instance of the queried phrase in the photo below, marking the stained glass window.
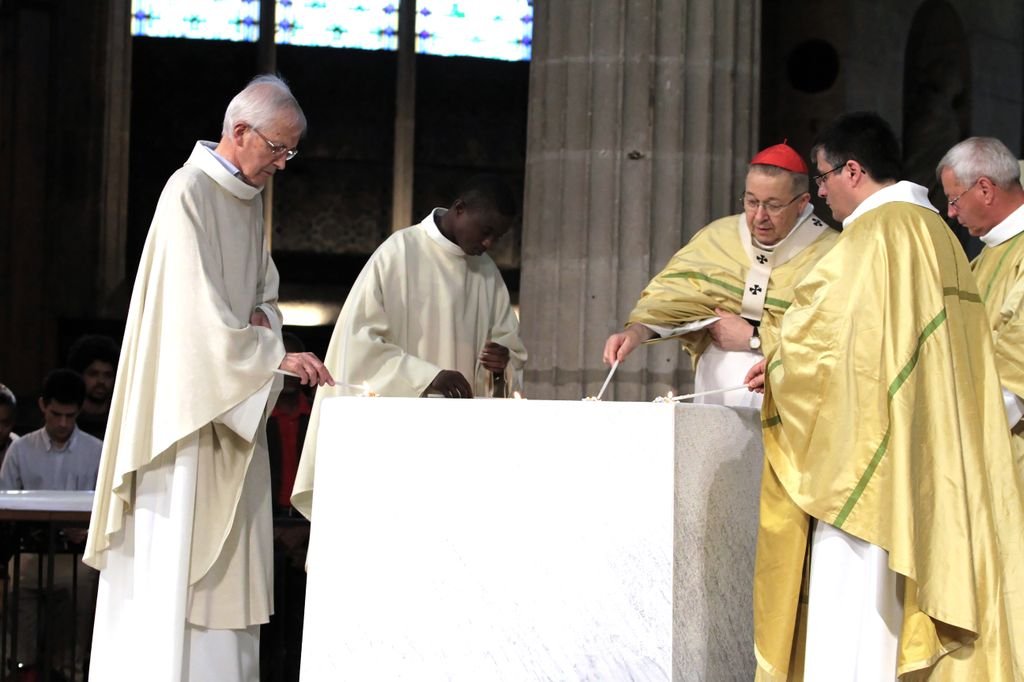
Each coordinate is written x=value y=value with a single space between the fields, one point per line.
x=360 y=24
x=237 y=20
x=475 y=28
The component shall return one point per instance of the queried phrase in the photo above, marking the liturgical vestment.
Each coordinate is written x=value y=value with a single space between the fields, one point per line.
x=181 y=528
x=420 y=305
x=722 y=266
x=999 y=269
x=883 y=417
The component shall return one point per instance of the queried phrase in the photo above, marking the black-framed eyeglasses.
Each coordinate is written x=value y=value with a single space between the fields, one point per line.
x=773 y=208
x=277 y=149
x=953 y=202
x=819 y=180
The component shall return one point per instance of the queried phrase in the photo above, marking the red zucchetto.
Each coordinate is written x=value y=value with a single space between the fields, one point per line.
x=781 y=155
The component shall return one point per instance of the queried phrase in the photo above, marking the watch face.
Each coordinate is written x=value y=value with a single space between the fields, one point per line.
x=755 y=342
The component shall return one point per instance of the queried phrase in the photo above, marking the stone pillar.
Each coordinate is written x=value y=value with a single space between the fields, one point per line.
x=65 y=85
x=111 y=287
x=642 y=118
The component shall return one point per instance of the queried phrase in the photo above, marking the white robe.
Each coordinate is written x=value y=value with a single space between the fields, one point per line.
x=720 y=368
x=419 y=306
x=181 y=528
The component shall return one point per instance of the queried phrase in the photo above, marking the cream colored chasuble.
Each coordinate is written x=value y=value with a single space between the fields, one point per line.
x=181 y=527
x=420 y=305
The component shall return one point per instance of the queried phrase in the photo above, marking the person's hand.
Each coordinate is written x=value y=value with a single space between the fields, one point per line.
x=451 y=384
x=618 y=346
x=731 y=332
x=308 y=368
x=494 y=357
x=755 y=377
x=259 y=319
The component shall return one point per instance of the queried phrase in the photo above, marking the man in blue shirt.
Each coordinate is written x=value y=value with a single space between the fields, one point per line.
x=58 y=456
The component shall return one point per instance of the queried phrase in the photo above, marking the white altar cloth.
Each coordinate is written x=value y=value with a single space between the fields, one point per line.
x=531 y=540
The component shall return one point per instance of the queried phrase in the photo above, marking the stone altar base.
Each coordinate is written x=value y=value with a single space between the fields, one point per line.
x=521 y=540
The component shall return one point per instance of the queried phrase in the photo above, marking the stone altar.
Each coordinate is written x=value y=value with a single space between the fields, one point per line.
x=532 y=540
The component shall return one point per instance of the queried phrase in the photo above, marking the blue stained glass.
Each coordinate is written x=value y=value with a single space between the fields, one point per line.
x=490 y=29
x=236 y=20
x=358 y=24
x=475 y=28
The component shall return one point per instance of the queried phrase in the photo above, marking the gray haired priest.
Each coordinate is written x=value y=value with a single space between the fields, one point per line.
x=724 y=293
x=181 y=522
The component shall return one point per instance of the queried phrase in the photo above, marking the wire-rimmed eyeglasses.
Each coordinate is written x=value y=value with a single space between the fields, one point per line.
x=819 y=180
x=278 y=149
x=772 y=208
x=953 y=202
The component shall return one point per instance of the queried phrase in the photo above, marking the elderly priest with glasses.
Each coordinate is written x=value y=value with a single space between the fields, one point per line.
x=181 y=528
x=724 y=293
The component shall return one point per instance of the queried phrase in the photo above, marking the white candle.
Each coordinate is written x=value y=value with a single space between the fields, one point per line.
x=712 y=392
x=615 y=365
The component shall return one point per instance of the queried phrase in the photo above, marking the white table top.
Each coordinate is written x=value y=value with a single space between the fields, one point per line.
x=47 y=500
x=493 y=540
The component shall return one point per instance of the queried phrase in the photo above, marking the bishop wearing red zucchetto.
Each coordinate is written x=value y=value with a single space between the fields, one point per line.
x=724 y=293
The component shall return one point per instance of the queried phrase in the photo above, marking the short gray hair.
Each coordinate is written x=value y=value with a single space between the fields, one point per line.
x=978 y=157
x=800 y=180
x=260 y=102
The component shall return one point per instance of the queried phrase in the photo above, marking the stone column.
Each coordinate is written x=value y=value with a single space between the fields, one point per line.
x=113 y=229
x=643 y=115
x=65 y=86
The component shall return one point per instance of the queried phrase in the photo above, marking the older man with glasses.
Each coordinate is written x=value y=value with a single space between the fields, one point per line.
x=181 y=527
x=981 y=179
x=724 y=293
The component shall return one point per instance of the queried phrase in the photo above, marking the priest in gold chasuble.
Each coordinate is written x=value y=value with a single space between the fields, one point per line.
x=891 y=518
x=724 y=293
x=981 y=179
